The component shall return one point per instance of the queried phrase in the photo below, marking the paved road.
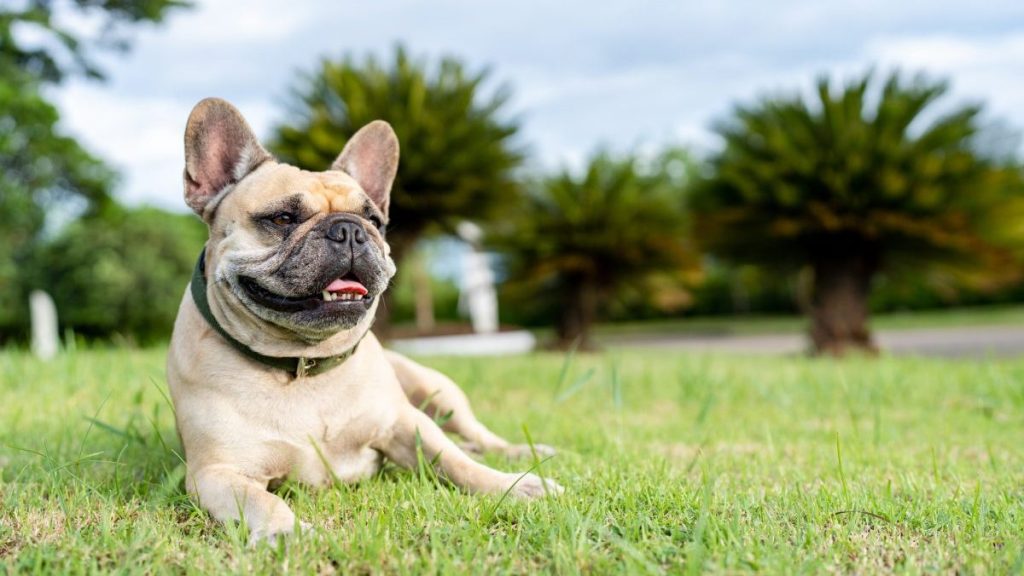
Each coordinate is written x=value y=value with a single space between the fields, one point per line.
x=966 y=342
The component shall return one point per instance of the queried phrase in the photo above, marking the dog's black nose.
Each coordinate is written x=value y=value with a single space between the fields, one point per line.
x=347 y=232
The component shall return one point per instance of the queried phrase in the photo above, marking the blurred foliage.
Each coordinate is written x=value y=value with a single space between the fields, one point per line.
x=123 y=274
x=46 y=175
x=576 y=243
x=60 y=50
x=855 y=182
x=444 y=293
x=742 y=289
x=42 y=172
x=457 y=151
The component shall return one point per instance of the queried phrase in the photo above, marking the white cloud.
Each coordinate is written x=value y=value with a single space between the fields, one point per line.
x=141 y=136
x=218 y=23
x=987 y=69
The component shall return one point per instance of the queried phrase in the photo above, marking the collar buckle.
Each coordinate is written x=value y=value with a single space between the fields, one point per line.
x=304 y=365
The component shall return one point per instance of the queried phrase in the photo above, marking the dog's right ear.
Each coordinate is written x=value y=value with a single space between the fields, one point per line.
x=220 y=150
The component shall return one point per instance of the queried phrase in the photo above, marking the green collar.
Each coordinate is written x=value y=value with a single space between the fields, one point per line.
x=297 y=367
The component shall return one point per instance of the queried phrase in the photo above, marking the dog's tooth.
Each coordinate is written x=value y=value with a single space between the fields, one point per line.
x=334 y=296
x=327 y=296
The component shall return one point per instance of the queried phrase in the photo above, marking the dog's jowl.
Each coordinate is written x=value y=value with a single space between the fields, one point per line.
x=273 y=370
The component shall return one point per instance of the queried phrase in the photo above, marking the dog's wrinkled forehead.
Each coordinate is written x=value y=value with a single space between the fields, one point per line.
x=282 y=185
x=223 y=157
x=336 y=197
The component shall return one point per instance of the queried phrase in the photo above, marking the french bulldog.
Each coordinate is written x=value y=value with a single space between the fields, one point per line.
x=273 y=370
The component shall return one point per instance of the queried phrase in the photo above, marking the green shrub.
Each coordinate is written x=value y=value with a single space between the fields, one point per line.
x=121 y=275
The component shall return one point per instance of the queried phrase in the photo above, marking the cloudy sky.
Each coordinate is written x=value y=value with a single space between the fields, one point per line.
x=617 y=73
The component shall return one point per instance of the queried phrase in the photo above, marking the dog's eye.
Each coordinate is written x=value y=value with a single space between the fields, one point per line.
x=282 y=219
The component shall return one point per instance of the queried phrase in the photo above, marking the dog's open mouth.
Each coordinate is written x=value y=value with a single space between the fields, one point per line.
x=343 y=289
x=340 y=293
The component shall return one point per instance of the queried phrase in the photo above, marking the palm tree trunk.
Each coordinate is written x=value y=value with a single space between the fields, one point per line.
x=579 y=311
x=839 y=305
x=401 y=245
x=423 y=295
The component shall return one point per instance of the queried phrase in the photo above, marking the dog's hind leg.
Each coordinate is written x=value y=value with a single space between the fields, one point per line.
x=441 y=398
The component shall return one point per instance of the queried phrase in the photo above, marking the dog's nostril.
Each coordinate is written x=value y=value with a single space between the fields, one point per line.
x=345 y=232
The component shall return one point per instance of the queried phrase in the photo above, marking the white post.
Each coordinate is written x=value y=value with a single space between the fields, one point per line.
x=478 y=294
x=44 y=325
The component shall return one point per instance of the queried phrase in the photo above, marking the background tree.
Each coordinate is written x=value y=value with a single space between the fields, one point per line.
x=57 y=51
x=576 y=242
x=458 y=154
x=857 y=181
x=42 y=170
x=122 y=276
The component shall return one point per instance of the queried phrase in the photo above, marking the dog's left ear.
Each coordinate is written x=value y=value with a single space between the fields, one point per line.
x=371 y=157
x=220 y=150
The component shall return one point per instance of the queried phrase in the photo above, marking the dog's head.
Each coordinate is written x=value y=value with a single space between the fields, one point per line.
x=302 y=251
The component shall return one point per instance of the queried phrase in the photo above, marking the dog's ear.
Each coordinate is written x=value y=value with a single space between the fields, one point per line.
x=371 y=157
x=220 y=150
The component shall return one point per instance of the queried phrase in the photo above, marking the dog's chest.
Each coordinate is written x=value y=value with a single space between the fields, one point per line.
x=321 y=438
x=329 y=463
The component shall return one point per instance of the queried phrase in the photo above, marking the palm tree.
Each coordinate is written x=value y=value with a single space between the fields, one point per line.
x=854 y=182
x=576 y=241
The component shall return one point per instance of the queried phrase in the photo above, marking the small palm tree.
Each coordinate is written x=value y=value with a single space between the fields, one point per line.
x=854 y=182
x=576 y=241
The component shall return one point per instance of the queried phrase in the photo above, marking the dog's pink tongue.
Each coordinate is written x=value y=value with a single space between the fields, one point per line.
x=340 y=285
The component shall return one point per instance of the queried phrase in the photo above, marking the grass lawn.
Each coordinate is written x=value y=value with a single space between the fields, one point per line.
x=672 y=464
x=995 y=315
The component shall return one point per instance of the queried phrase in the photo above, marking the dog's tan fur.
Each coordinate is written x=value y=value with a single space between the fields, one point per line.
x=245 y=425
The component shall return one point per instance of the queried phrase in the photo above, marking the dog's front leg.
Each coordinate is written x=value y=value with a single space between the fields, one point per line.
x=231 y=496
x=414 y=427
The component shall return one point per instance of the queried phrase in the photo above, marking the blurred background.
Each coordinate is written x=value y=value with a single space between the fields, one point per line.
x=736 y=175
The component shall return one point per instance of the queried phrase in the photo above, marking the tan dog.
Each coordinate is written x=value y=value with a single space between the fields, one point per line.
x=272 y=369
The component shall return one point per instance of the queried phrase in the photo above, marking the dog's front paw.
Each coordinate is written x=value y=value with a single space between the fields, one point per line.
x=529 y=486
x=272 y=535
